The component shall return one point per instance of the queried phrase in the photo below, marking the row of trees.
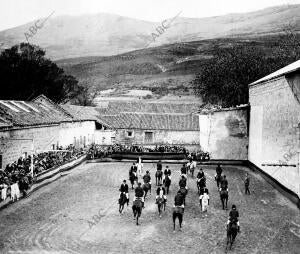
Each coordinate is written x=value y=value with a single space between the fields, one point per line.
x=224 y=79
x=25 y=73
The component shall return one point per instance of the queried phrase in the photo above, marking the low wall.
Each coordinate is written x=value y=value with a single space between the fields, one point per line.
x=277 y=185
x=148 y=156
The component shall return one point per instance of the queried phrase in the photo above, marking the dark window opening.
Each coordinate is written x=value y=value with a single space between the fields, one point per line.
x=148 y=137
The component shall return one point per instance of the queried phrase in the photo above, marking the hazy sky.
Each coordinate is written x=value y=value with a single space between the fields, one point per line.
x=18 y=12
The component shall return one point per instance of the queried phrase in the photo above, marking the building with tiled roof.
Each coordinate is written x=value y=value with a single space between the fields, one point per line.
x=40 y=125
x=21 y=114
x=144 y=123
x=152 y=121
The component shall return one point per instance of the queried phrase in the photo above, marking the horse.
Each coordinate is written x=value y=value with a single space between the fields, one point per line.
x=201 y=184
x=184 y=192
x=232 y=230
x=178 y=213
x=158 y=177
x=167 y=183
x=132 y=178
x=137 y=209
x=122 y=201
x=146 y=187
x=161 y=203
x=218 y=179
x=224 y=197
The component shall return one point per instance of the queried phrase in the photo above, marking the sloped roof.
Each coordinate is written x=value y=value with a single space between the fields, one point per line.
x=84 y=113
x=116 y=107
x=21 y=114
x=283 y=71
x=148 y=121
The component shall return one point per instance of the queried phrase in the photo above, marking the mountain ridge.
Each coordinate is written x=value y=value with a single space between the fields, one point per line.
x=106 y=34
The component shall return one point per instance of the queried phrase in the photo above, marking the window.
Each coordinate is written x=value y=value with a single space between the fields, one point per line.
x=148 y=137
x=130 y=134
x=84 y=141
x=0 y=161
x=53 y=146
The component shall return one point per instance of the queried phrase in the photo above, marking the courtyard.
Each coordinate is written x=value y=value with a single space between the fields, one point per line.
x=79 y=214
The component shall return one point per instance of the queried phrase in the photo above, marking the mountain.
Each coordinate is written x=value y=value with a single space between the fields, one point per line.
x=108 y=34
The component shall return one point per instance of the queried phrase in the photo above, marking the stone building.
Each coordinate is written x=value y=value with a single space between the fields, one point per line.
x=151 y=129
x=274 y=125
x=40 y=125
x=145 y=123
x=224 y=132
x=103 y=134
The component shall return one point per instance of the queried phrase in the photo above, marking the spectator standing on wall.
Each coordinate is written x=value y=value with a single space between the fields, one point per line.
x=247 y=183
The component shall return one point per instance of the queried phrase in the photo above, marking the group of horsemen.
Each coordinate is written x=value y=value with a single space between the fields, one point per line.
x=179 y=197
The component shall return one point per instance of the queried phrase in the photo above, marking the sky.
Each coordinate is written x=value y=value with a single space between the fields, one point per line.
x=18 y=12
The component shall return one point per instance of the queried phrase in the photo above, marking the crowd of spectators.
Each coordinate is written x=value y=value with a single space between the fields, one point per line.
x=99 y=151
x=199 y=156
x=20 y=171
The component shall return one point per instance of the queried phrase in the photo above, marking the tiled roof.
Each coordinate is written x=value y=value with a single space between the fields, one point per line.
x=295 y=66
x=21 y=114
x=176 y=122
x=116 y=107
x=84 y=113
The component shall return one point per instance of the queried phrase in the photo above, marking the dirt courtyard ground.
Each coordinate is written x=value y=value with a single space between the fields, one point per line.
x=60 y=218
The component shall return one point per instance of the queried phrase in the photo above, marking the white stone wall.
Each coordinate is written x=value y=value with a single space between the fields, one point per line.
x=224 y=134
x=189 y=139
x=274 y=136
x=105 y=137
x=12 y=147
x=77 y=133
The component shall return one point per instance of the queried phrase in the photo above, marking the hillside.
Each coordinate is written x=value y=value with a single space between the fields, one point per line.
x=109 y=34
x=163 y=72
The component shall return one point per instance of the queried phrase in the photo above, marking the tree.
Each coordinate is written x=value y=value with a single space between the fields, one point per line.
x=224 y=79
x=26 y=73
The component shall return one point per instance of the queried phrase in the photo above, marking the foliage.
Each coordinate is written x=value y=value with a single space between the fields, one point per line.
x=224 y=79
x=26 y=73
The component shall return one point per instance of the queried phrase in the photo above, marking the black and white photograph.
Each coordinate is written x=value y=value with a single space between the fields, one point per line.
x=149 y=126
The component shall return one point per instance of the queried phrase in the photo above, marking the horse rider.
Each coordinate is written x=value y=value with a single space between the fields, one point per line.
x=200 y=175
x=133 y=170
x=161 y=192
x=167 y=172
x=179 y=200
x=182 y=182
x=147 y=177
x=183 y=171
x=159 y=165
x=218 y=170
x=124 y=189
x=224 y=183
x=139 y=193
x=233 y=217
